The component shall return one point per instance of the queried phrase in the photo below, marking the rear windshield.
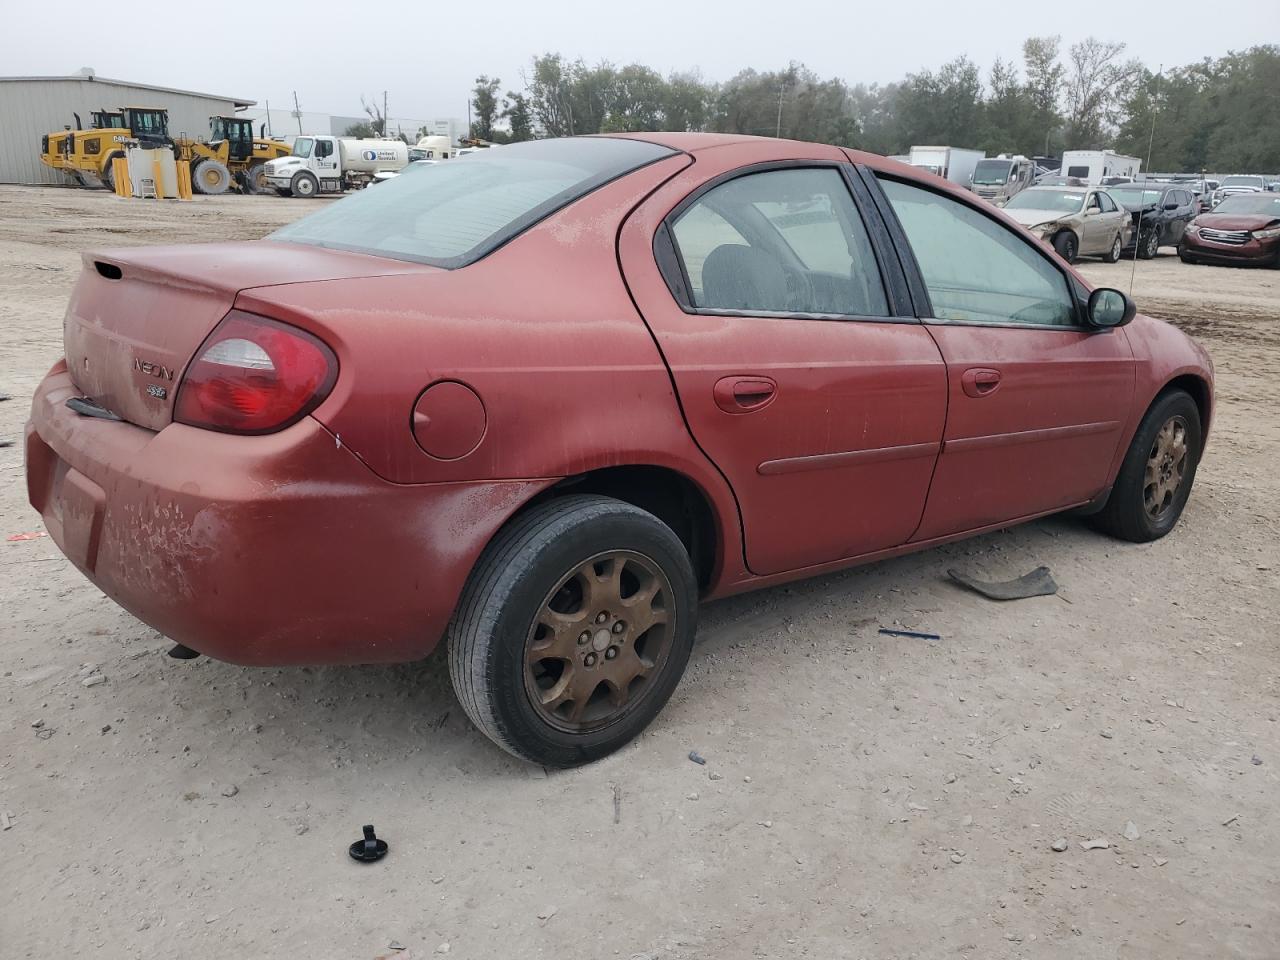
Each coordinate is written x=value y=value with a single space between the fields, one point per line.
x=454 y=212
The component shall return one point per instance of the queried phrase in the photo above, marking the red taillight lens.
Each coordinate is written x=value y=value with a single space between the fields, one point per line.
x=254 y=375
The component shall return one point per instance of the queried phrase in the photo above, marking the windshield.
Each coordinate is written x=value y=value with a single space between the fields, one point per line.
x=1054 y=200
x=990 y=172
x=451 y=214
x=1253 y=204
x=1131 y=197
x=1242 y=182
x=302 y=147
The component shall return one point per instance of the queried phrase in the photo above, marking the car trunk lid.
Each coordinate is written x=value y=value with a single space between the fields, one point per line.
x=137 y=317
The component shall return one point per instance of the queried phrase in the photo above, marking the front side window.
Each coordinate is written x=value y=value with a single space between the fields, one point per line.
x=780 y=241
x=977 y=270
x=1108 y=205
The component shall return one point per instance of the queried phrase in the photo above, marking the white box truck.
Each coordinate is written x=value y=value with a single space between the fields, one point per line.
x=1092 y=166
x=322 y=164
x=951 y=163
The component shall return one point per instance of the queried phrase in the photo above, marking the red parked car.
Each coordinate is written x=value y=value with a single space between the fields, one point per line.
x=1242 y=229
x=545 y=398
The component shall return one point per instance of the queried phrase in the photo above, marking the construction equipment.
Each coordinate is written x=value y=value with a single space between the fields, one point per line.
x=232 y=154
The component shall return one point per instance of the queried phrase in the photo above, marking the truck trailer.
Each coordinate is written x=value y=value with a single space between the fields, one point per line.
x=1092 y=166
x=322 y=164
x=951 y=163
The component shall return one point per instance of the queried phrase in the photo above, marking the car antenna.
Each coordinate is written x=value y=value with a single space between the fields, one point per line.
x=1151 y=142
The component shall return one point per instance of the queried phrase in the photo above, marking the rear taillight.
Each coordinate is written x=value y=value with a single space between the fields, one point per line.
x=254 y=375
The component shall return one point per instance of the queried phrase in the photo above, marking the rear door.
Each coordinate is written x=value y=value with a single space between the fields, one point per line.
x=1036 y=400
x=784 y=322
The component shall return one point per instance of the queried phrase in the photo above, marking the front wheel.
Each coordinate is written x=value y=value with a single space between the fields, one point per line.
x=255 y=178
x=211 y=177
x=573 y=630
x=1113 y=255
x=1157 y=473
x=1188 y=258
x=1066 y=245
x=304 y=185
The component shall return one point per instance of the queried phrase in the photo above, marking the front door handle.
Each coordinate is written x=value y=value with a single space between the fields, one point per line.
x=743 y=394
x=980 y=381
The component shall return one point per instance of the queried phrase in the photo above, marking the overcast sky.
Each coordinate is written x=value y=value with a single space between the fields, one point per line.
x=427 y=54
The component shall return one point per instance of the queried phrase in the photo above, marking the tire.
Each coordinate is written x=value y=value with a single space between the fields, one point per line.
x=1150 y=245
x=1067 y=246
x=255 y=178
x=210 y=177
x=1188 y=258
x=108 y=178
x=304 y=185
x=533 y=567
x=283 y=192
x=1128 y=514
x=1113 y=255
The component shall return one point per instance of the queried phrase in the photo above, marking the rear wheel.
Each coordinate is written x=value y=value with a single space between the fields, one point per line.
x=1113 y=255
x=1156 y=477
x=1150 y=245
x=109 y=171
x=573 y=630
x=211 y=177
x=255 y=178
x=1066 y=245
x=304 y=185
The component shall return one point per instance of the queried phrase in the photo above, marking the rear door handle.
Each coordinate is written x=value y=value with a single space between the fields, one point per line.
x=980 y=381
x=743 y=394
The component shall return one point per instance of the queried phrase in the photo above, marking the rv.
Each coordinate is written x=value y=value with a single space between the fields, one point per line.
x=1091 y=166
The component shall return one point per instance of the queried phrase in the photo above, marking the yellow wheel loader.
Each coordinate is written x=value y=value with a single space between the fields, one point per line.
x=232 y=154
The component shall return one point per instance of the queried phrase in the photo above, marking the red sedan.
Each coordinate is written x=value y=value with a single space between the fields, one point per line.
x=1242 y=229
x=543 y=399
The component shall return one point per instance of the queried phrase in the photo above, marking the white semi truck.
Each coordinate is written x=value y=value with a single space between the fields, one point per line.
x=322 y=164
x=1093 y=166
x=950 y=163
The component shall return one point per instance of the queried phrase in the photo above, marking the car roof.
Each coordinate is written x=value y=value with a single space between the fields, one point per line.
x=1065 y=188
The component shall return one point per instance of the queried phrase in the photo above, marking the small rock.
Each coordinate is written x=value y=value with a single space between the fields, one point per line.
x=1256 y=760
x=918 y=807
x=746 y=779
x=395 y=945
x=93 y=680
x=437 y=879
x=443 y=948
x=1059 y=845
x=212 y=918
x=547 y=914
x=44 y=733
x=967 y=820
x=229 y=790
x=37 y=724
x=956 y=858
x=765 y=823
x=1107 y=734
x=1230 y=820
x=300 y=829
x=1131 y=832
x=715 y=776
x=949 y=778
x=697 y=758
x=1095 y=844
x=692 y=796
x=106 y=728
x=1161 y=861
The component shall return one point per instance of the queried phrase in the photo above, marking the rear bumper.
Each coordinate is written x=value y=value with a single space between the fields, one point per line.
x=282 y=549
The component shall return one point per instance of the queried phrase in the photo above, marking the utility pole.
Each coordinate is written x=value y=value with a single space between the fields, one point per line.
x=778 y=129
x=268 y=103
x=297 y=112
x=385 y=121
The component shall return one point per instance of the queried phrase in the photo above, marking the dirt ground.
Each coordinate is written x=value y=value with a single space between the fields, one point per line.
x=863 y=797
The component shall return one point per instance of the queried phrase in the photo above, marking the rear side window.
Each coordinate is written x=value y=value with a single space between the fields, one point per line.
x=975 y=269
x=454 y=212
x=780 y=241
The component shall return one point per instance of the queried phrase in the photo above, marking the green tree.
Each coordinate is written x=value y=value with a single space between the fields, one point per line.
x=484 y=106
x=1096 y=79
x=519 y=117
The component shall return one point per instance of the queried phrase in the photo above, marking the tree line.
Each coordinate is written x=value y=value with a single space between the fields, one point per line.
x=1218 y=114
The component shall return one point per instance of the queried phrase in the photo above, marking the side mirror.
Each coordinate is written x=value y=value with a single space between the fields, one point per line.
x=1171 y=205
x=1109 y=308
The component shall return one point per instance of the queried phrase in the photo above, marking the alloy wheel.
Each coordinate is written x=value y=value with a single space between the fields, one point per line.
x=599 y=640
x=1166 y=467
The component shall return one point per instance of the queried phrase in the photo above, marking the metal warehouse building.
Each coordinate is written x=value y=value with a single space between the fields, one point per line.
x=30 y=107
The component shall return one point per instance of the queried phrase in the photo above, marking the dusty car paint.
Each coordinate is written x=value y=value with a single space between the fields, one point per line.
x=343 y=539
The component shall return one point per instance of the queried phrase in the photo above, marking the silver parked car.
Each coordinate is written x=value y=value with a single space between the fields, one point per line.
x=1079 y=221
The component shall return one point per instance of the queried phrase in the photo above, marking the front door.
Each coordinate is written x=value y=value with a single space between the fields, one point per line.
x=822 y=404
x=1035 y=399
